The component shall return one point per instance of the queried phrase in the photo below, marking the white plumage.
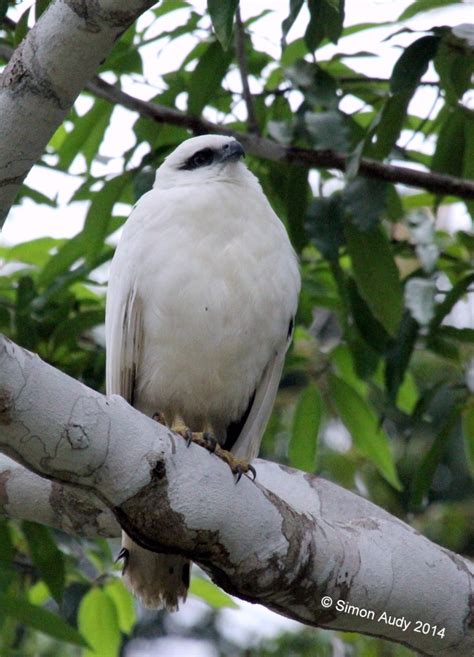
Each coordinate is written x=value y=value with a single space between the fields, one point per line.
x=202 y=294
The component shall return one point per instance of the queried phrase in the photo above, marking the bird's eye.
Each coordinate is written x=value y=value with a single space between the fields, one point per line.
x=202 y=158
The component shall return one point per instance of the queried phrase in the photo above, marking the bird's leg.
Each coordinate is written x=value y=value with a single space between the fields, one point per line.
x=238 y=466
x=206 y=439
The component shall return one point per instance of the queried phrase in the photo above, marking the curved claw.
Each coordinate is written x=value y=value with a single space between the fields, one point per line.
x=239 y=471
x=123 y=554
x=253 y=471
x=188 y=437
x=211 y=442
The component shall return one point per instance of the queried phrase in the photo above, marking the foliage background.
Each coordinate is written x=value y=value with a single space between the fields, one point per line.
x=377 y=391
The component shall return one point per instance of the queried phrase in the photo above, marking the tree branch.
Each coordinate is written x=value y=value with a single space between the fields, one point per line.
x=267 y=149
x=26 y=496
x=244 y=74
x=270 y=150
x=42 y=79
x=312 y=538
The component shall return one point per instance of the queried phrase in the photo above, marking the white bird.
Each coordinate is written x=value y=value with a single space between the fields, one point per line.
x=202 y=295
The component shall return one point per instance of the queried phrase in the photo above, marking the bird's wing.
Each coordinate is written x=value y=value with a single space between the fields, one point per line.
x=261 y=403
x=124 y=338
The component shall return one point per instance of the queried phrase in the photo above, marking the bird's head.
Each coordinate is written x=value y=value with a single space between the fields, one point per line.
x=208 y=158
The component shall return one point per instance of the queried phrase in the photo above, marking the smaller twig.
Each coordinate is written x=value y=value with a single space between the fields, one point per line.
x=244 y=75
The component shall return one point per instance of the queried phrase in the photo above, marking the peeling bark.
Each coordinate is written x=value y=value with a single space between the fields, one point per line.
x=45 y=75
x=305 y=538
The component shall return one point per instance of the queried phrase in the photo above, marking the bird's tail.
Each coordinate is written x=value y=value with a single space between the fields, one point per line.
x=158 y=580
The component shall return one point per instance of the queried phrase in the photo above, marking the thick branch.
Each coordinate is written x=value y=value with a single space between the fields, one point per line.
x=286 y=540
x=26 y=496
x=45 y=75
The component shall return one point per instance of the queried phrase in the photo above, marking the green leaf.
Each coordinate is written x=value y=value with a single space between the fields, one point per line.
x=424 y=473
x=40 y=619
x=390 y=124
x=369 y=328
x=363 y=425
x=3 y=9
x=451 y=298
x=6 y=553
x=325 y=225
x=210 y=593
x=222 y=14
x=326 y=20
x=399 y=354
x=304 y=435
x=365 y=199
x=124 y=604
x=424 y=5
x=468 y=432
x=413 y=64
x=297 y=197
x=86 y=135
x=450 y=147
x=99 y=215
x=327 y=129
x=295 y=8
x=376 y=275
x=98 y=623
x=34 y=252
x=59 y=263
x=46 y=557
x=22 y=27
x=207 y=77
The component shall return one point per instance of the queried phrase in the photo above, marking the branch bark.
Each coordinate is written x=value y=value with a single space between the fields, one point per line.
x=312 y=539
x=270 y=150
x=45 y=75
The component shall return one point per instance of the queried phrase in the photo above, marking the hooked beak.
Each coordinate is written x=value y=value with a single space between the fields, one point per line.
x=232 y=151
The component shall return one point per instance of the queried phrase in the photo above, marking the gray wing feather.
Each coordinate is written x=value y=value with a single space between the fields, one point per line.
x=248 y=442
x=124 y=337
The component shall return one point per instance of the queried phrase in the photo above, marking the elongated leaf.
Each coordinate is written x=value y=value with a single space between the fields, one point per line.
x=468 y=433
x=222 y=14
x=297 y=197
x=423 y=478
x=210 y=593
x=98 y=623
x=207 y=77
x=363 y=425
x=304 y=435
x=124 y=604
x=295 y=8
x=86 y=135
x=399 y=355
x=390 y=124
x=365 y=200
x=376 y=275
x=325 y=225
x=46 y=557
x=450 y=147
x=424 y=5
x=413 y=64
x=451 y=298
x=326 y=20
x=40 y=619
x=6 y=554
x=100 y=213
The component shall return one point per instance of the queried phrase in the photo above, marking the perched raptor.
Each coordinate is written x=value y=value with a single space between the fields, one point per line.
x=202 y=294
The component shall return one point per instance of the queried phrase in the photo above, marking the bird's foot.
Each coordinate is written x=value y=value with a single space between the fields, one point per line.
x=123 y=555
x=159 y=417
x=238 y=466
x=204 y=439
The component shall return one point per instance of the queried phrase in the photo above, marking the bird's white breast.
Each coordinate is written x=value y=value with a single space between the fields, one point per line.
x=218 y=281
